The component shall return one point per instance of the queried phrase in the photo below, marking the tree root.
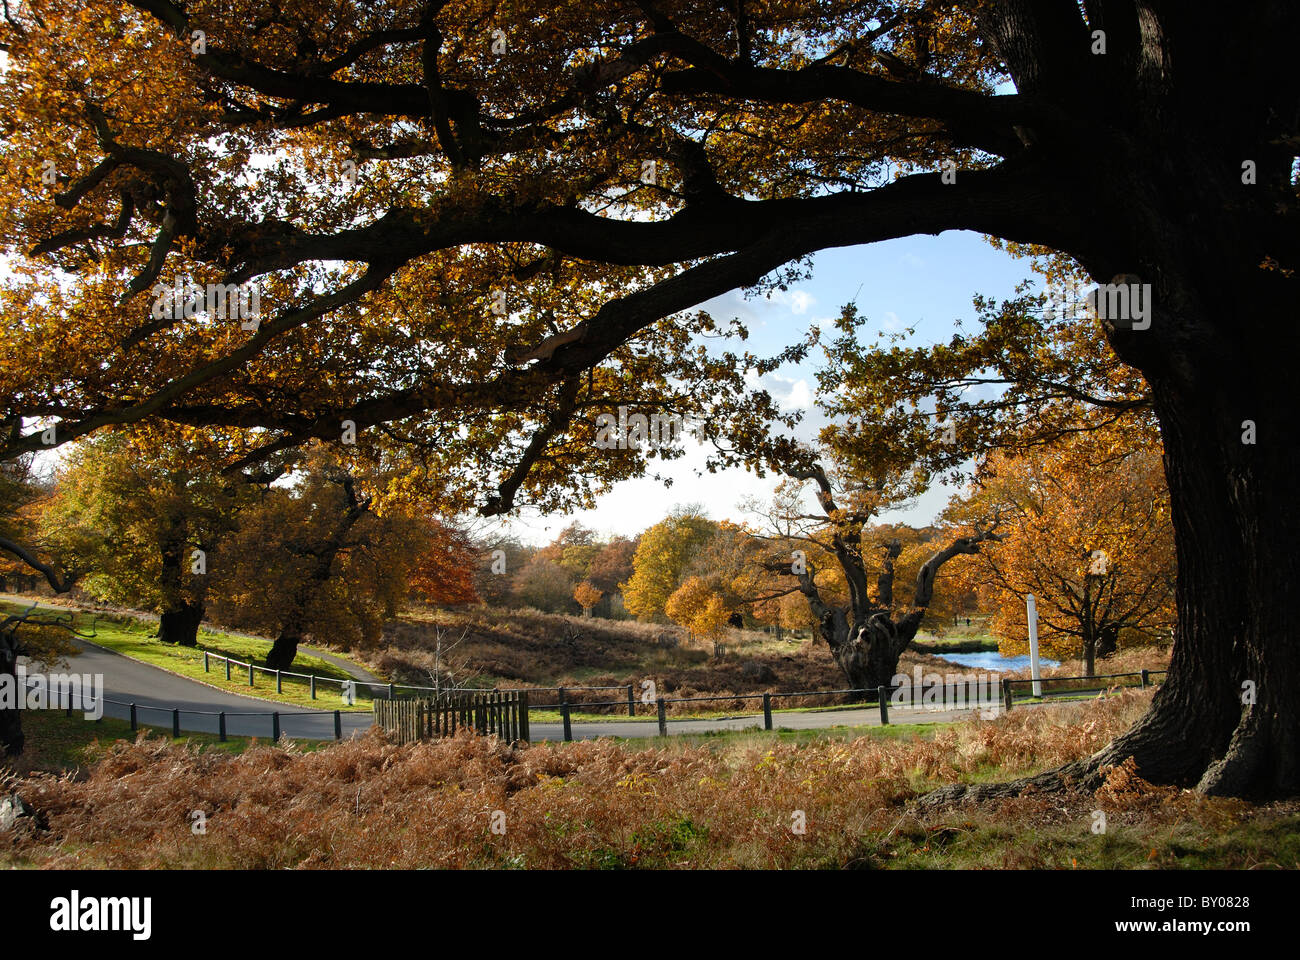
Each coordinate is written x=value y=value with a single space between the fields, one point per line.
x=1080 y=775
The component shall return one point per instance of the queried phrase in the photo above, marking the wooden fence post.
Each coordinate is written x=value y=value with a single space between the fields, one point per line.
x=338 y=725
x=313 y=686
x=227 y=669
x=631 y=702
x=205 y=661
x=133 y=723
x=1006 y=693
x=663 y=717
x=275 y=726
x=882 y=697
x=176 y=723
x=279 y=688
x=564 y=714
x=523 y=717
x=1145 y=676
x=221 y=726
x=250 y=673
x=767 y=711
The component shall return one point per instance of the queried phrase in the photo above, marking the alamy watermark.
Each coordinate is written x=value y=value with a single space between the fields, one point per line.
x=952 y=691
x=222 y=301
x=77 y=914
x=1122 y=304
x=624 y=431
x=53 y=691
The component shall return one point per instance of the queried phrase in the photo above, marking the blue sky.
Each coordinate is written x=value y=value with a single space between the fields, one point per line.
x=921 y=281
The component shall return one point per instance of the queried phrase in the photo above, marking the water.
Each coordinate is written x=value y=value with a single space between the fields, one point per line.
x=992 y=660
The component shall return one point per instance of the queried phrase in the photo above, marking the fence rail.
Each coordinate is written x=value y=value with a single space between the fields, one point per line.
x=1145 y=679
x=172 y=715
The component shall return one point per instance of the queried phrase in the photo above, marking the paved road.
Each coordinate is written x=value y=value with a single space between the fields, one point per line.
x=156 y=693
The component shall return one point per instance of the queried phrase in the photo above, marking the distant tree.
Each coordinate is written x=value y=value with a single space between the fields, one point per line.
x=865 y=625
x=785 y=610
x=609 y=569
x=661 y=558
x=445 y=572
x=587 y=595
x=544 y=585
x=699 y=608
x=613 y=564
x=496 y=564
x=1088 y=533
x=144 y=512
x=317 y=560
x=574 y=549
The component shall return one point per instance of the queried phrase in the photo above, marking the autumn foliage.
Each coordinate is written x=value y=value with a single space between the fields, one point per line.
x=1088 y=533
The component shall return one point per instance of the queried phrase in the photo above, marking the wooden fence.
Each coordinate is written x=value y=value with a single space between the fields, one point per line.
x=496 y=712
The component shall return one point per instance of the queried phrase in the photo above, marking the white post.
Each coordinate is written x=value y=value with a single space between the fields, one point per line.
x=1032 y=614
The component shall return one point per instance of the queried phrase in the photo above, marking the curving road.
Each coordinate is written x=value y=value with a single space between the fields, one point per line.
x=157 y=692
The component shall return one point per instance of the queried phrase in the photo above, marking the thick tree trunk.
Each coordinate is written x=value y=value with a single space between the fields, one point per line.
x=1089 y=656
x=181 y=614
x=1233 y=510
x=180 y=625
x=1107 y=641
x=11 y=719
x=867 y=649
x=284 y=649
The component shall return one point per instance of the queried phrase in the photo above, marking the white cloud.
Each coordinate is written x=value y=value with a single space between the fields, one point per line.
x=797 y=300
x=799 y=396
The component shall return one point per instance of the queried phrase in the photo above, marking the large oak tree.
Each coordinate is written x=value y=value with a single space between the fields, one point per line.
x=467 y=295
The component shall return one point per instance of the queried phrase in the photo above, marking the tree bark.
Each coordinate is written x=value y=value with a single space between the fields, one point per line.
x=181 y=611
x=1089 y=653
x=12 y=740
x=1232 y=509
x=284 y=649
x=1107 y=640
x=180 y=624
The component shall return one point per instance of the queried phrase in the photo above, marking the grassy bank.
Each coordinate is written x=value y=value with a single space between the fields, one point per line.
x=132 y=638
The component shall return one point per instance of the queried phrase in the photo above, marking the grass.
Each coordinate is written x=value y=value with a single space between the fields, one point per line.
x=942 y=645
x=526 y=648
x=131 y=638
x=757 y=736
x=722 y=800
